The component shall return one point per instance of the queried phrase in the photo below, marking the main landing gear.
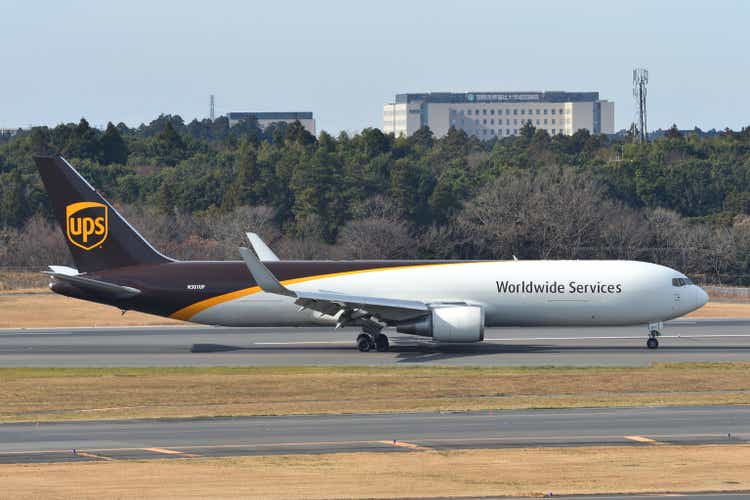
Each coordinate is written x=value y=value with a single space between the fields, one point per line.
x=654 y=331
x=377 y=341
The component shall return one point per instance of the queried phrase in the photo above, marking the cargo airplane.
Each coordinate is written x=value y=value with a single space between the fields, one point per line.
x=447 y=301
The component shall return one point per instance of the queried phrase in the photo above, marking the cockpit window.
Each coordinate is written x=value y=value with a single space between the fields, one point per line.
x=681 y=281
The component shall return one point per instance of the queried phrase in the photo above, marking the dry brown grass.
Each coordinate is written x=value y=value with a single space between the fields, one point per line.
x=38 y=394
x=41 y=308
x=17 y=280
x=722 y=310
x=532 y=472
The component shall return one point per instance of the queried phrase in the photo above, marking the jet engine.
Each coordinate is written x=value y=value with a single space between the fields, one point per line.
x=449 y=323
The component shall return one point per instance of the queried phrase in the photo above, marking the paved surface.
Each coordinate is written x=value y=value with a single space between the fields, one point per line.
x=180 y=438
x=699 y=340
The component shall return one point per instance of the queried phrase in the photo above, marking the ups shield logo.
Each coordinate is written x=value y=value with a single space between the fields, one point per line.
x=87 y=224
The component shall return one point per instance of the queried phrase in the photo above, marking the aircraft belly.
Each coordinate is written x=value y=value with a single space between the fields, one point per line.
x=260 y=310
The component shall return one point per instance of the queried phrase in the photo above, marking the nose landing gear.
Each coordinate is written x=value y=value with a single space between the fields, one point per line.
x=654 y=331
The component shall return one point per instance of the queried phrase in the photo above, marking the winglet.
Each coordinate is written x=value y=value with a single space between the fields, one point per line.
x=264 y=253
x=263 y=277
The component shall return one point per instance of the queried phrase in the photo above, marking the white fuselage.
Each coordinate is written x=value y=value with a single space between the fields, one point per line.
x=513 y=293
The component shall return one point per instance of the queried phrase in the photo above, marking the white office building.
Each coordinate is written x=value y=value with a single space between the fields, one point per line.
x=266 y=118
x=499 y=114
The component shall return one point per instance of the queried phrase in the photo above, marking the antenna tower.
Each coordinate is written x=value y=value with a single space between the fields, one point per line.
x=211 y=114
x=640 y=80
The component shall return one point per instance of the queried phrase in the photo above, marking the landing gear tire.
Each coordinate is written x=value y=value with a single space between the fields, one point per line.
x=652 y=343
x=381 y=343
x=364 y=342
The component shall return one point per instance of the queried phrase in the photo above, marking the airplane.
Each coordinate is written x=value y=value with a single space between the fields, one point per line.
x=447 y=301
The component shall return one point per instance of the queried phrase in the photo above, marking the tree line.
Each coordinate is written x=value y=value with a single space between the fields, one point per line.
x=194 y=188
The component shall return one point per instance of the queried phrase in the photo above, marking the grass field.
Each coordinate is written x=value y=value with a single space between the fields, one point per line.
x=41 y=394
x=42 y=308
x=635 y=469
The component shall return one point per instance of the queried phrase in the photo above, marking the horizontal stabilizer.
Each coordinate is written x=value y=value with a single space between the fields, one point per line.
x=102 y=287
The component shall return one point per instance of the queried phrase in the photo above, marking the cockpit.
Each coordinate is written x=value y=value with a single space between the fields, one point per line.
x=682 y=282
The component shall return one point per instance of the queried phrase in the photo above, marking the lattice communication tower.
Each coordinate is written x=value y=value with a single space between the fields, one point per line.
x=640 y=80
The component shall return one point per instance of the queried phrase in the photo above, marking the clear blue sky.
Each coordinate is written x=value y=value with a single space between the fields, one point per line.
x=131 y=60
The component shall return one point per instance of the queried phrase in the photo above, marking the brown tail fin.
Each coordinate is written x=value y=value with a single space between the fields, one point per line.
x=97 y=235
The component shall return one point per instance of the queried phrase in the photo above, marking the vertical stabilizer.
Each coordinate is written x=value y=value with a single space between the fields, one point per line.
x=97 y=235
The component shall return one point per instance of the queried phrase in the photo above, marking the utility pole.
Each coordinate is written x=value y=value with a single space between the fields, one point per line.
x=211 y=115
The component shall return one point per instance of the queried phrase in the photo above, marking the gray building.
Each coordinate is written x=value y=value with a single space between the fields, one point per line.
x=265 y=118
x=499 y=114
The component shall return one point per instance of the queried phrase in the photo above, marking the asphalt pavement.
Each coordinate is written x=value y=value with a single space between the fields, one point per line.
x=683 y=340
x=399 y=432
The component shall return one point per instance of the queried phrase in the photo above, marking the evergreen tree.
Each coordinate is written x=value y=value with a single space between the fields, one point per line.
x=244 y=188
x=168 y=146
x=83 y=142
x=114 y=149
x=40 y=141
x=13 y=199
x=297 y=133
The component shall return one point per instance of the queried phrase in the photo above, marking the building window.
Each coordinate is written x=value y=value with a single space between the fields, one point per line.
x=484 y=122
x=561 y=111
x=468 y=112
x=515 y=122
x=553 y=111
x=492 y=121
x=484 y=111
x=545 y=121
x=537 y=121
x=507 y=111
x=553 y=121
x=553 y=131
x=537 y=111
x=523 y=111
x=545 y=111
x=507 y=121
x=515 y=131
x=492 y=111
x=515 y=111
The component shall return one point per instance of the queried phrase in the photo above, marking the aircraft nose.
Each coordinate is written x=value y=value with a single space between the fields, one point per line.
x=701 y=297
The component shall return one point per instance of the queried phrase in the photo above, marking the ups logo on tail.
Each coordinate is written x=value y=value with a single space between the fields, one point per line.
x=87 y=224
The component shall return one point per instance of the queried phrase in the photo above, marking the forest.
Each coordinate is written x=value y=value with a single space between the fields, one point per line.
x=193 y=189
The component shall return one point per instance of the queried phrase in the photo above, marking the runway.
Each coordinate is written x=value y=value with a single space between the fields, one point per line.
x=401 y=432
x=684 y=340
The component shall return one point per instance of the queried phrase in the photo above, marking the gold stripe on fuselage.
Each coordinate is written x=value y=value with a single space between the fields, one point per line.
x=186 y=313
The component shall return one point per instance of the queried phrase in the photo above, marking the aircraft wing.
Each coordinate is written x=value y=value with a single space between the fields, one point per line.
x=350 y=307
x=92 y=285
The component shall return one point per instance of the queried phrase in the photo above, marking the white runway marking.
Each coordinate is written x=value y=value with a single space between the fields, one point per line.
x=304 y=342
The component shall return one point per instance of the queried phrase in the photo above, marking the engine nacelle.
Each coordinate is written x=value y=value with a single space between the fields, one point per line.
x=449 y=324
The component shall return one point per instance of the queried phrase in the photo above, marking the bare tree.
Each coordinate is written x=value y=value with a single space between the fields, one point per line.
x=378 y=238
x=555 y=214
x=228 y=228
